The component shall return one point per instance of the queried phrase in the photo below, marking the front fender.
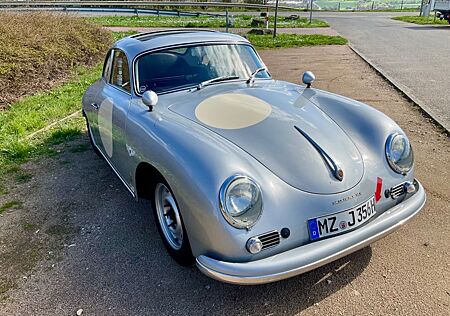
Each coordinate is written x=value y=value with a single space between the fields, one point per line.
x=195 y=162
x=366 y=126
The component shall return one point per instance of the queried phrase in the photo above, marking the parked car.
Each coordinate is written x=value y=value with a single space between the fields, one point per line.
x=254 y=179
x=442 y=9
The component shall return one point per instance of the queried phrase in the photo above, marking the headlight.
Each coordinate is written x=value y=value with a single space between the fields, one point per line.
x=399 y=153
x=240 y=201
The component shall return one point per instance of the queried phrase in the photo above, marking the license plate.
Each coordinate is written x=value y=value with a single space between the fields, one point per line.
x=337 y=223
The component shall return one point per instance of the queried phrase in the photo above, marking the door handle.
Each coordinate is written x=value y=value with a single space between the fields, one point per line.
x=95 y=106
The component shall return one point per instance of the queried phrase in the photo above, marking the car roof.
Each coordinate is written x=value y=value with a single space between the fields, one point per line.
x=138 y=43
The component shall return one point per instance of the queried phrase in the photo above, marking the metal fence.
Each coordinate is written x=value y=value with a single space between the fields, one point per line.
x=178 y=6
x=137 y=4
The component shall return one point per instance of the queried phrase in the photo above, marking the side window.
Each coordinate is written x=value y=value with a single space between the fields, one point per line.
x=120 y=71
x=107 y=67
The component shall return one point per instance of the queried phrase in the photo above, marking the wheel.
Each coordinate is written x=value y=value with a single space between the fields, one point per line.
x=91 y=141
x=170 y=224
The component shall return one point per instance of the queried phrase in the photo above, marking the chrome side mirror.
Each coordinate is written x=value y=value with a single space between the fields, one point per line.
x=150 y=99
x=308 y=78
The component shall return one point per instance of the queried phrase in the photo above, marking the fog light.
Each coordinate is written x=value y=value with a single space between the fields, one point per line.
x=254 y=245
x=410 y=187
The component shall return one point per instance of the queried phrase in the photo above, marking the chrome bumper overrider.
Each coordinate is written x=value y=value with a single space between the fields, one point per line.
x=308 y=257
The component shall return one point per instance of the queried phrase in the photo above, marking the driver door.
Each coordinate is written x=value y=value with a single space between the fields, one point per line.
x=114 y=101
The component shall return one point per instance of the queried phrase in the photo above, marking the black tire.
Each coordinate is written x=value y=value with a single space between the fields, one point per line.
x=183 y=254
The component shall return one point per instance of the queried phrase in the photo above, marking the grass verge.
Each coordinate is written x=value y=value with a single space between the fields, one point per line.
x=422 y=20
x=35 y=112
x=239 y=21
x=32 y=113
x=294 y=40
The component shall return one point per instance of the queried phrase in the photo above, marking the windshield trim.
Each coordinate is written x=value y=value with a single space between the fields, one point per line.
x=135 y=72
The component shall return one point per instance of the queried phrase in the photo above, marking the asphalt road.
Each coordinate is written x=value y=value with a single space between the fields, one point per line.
x=80 y=241
x=415 y=57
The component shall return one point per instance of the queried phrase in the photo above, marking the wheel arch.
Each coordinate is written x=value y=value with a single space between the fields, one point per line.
x=146 y=177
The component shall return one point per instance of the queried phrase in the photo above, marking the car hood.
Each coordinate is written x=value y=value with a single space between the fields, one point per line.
x=281 y=129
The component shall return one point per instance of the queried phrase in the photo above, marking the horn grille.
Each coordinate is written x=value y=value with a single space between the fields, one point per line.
x=397 y=191
x=269 y=240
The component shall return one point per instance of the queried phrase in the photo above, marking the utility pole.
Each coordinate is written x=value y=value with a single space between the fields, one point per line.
x=276 y=18
x=310 y=12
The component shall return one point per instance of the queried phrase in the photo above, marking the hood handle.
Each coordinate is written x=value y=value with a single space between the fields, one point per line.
x=337 y=171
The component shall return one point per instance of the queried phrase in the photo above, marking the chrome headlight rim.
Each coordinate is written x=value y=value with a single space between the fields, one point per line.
x=394 y=166
x=223 y=196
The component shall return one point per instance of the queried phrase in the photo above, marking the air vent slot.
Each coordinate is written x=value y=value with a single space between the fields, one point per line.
x=269 y=240
x=397 y=191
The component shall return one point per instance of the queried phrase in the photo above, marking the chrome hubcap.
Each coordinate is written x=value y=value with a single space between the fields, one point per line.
x=168 y=216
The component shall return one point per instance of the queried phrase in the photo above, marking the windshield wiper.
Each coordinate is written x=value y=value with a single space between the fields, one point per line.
x=253 y=75
x=217 y=79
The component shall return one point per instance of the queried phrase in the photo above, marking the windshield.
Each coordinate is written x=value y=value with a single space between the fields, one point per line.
x=184 y=67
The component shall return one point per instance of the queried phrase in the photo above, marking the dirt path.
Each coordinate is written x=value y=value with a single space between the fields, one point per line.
x=82 y=242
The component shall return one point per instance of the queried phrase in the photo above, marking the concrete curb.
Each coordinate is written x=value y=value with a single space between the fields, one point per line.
x=402 y=89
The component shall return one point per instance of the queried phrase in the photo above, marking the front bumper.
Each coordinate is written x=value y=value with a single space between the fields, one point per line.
x=313 y=255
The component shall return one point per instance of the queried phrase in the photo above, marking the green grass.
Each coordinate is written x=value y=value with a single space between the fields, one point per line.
x=294 y=40
x=10 y=205
x=422 y=20
x=34 y=113
x=239 y=21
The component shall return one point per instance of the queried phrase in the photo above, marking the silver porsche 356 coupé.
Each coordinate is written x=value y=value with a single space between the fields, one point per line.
x=255 y=179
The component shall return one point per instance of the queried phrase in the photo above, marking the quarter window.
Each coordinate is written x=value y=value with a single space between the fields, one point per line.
x=107 y=67
x=120 y=71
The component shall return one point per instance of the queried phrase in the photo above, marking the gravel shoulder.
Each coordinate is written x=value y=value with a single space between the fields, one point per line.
x=80 y=240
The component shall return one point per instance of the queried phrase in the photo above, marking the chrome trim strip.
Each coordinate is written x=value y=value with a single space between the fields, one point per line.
x=222 y=197
x=334 y=167
x=112 y=167
x=387 y=149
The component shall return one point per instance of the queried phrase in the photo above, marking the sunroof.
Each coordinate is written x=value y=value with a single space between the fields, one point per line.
x=150 y=35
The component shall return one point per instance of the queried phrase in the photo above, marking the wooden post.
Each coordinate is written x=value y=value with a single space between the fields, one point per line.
x=226 y=19
x=276 y=18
